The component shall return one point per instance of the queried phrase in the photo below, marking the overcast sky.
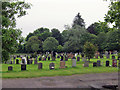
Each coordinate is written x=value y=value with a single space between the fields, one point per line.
x=57 y=13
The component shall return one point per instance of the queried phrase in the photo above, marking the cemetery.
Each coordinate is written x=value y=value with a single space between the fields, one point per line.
x=17 y=67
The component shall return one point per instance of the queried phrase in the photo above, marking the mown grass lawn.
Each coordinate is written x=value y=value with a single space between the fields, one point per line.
x=32 y=70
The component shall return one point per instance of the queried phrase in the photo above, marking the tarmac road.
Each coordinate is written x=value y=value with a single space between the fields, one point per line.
x=74 y=81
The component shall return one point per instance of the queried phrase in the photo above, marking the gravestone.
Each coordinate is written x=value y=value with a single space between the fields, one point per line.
x=10 y=62
x=113 y=57
x=62 y=64
x=66 y=58
x=51 y=66
x=108 y=56
x=44 y=58
x=17 y=61
x=35 y=62
x=114 y=63
x=23 y=67
x=74 y=62
x=94 y=64
x=10 y=68
x=58 y=56
x=78 y=58
x=40 y=58
x=49 y=58
x=86 y=64
x=83 y=59
x=98 y=63
x=39 y=65
x=107 y=63
x=13 y=61
x=23 y=61
x=31 y=61
x=61 y=58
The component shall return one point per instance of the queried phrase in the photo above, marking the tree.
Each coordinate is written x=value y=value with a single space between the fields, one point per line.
x=10 y=35
x=98 y=27
x=113 y=40
x=77 y=36
x=113 y=15
x=59 y=48
x=57 y=35
x=78 y=21
x=33 y=44
x=89 y=50
x=101 y=41
x=50 y=44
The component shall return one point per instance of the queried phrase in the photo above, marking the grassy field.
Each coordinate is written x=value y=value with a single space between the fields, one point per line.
x=32 y=70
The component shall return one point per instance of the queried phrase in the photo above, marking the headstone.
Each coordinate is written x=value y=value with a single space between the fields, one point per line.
x=23 y=61
x=10 y=68
x=98 y=63
x=35 y=62
x=113 y=57
x=83 y=59
x=53 y=58
x=17 y=61
x=74 y=62
x=13 y=61
x=31 y=61
x=23 y=67
x=114 y=63
x=39 y=65
x=108 y=56
x=78 y=58
x=61 y=58
x=62 y=64
x=107 y=63
x=94 y=64
x=10 y=62
x=66 y=58
x=51 y=66
x=40 y=58
x=86 y=64
x=49 y=58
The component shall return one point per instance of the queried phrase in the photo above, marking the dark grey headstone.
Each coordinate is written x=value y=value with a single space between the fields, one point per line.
x=94 y=64
x=23 y=67
x=78 y=58
x=49 y=58
x=98 y=63
x=107 y=63
x=17 y=61
x=73 y=62
x=39 y=65
x=10 y=68
x=51 y=66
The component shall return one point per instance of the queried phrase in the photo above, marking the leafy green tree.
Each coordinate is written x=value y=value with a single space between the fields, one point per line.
x=50 y=44
x=59 y=48
x=89 y=50
x=78 y=21
x=98 y=27
x=57 y=35
x=33 y=44
x=10 y=35
x=113 y=15
x=101 y=41
x=113 y=40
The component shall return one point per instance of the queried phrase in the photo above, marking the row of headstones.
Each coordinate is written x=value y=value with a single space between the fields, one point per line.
x=62 y=64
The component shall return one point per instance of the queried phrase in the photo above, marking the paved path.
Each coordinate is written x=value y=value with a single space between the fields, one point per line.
x=74 y=81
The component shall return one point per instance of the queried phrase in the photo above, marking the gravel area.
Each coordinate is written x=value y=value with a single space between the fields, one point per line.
x=73 y=81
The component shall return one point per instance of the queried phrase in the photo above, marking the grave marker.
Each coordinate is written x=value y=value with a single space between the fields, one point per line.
x=39 y=65
x=78 y=58
x=107 y=63
x=62 y=64
x=51 y=66
x=98 y=63
x=10 y=68
x=23 y=67
x=74 y=62
x=17 y=61
x=114 y=63
x=94 y=64
x=86 y=64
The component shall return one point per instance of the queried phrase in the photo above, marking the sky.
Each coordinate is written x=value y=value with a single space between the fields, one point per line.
x=57 y=13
